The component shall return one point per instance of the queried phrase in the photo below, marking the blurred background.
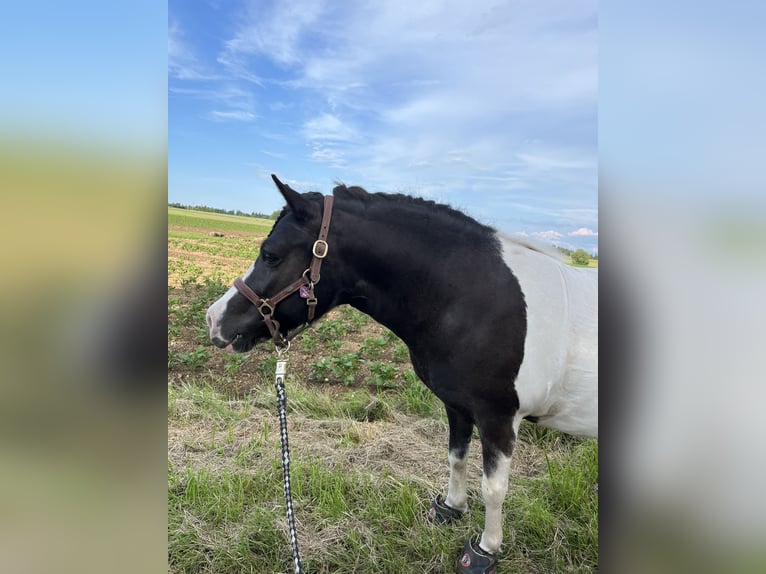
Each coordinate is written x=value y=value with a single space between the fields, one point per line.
x=83 y=174
x=683 y=271
x=83 y=135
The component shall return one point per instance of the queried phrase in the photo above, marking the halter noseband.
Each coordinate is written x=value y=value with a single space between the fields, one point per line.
x=304 y=284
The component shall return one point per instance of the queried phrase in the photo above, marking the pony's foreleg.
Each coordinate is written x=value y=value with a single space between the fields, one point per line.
x=460 y=429
x=498 y=439
x=494 y=487
x=457 y=497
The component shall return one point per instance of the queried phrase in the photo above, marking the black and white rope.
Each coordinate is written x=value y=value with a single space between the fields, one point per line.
x=279 y=383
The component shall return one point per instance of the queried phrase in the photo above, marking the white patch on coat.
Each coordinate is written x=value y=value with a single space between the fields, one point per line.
x=217 y=309
x=494 y=489
x=558 y=379
x=456 y=493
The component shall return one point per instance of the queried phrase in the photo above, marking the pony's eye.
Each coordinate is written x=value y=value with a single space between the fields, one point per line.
x=269 y=258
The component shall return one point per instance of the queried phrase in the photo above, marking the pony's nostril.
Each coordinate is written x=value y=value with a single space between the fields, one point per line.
x=218 y=342
x=209 y=320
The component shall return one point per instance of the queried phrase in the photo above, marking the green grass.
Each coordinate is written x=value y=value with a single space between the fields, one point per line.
x=229 y=518
x=415 y=398
x=216 y=246
x=202 y=402
x=358 y=405
x=194 y=254
x=229 y=522
x=558 y=517
x=217 y=221
x=341 y=369
x=592 y=264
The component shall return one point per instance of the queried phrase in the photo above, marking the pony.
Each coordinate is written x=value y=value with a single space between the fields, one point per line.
x=499 y=329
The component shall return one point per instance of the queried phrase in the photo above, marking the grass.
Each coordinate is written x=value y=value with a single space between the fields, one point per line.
x=368 y=444
x=185 y=218
x=194 y=254
x=592 y=264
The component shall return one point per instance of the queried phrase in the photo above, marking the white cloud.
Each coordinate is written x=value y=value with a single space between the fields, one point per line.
x=328 y=155
x=182 y=63
x=549 y=235
x=229 y=102
x=328 y=127
x=584 y=232
x=239 y=116
x=280 y=106
x=274 y=31
x=470 y=102
x=556 y=160
x=421 y=60
x=237 y=67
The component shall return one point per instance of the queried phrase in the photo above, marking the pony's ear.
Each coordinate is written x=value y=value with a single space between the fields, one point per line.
x=300 y=206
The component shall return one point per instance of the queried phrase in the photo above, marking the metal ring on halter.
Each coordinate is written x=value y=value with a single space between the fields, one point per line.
x=284 y=349
x=320 y=243
x=265 y=303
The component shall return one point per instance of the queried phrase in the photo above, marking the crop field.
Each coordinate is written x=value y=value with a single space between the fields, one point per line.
x=368 y=441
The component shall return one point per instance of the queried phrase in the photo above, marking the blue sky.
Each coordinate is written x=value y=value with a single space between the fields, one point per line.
x=488 y=106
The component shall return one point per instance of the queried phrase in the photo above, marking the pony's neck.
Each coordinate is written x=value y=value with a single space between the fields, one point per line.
x=396 y=279
x=427 y=274
x=395 y=305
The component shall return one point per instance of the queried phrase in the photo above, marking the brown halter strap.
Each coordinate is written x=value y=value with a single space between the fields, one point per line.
x=309 y=279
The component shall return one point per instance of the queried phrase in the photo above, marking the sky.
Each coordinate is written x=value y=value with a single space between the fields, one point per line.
x=488 y=106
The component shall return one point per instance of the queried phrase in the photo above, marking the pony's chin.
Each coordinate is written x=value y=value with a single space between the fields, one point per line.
x=241 y=344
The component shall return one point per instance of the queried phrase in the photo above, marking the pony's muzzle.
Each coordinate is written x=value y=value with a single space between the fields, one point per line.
x=214 y=330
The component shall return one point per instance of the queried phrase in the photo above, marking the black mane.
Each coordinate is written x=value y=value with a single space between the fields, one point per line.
x=423 y=209
x=434 y=216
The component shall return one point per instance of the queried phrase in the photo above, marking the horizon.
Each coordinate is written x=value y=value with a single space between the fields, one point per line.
x=254 y=214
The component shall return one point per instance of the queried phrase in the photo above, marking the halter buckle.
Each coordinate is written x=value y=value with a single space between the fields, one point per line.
x=320 y=249
x=265 y=304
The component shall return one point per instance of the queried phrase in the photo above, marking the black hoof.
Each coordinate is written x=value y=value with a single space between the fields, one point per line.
x=474 y=560
x=440 y=513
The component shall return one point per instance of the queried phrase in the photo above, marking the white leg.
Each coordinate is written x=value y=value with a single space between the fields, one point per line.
x=456 y=493
x=494 y=489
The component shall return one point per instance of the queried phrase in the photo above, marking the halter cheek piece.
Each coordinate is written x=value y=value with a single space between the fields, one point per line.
x=305 y=285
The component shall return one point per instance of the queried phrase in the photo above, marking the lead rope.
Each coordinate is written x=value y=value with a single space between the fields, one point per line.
x=279 y=383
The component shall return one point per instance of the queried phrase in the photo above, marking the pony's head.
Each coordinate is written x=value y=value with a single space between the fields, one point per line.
x=244 y=315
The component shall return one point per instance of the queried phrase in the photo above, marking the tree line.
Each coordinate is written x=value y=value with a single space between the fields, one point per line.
x=578 y=257
x=226 y=211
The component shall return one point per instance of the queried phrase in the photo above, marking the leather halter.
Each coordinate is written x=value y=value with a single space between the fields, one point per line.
x=308 y=279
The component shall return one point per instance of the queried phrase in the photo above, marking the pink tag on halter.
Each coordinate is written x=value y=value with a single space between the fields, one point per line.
x=304 y=292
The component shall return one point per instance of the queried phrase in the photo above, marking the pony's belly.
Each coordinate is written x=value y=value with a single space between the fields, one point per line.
x=575 y=411
x=558 y=379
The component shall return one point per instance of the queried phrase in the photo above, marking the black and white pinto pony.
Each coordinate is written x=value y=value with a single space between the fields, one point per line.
x=498 y=329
